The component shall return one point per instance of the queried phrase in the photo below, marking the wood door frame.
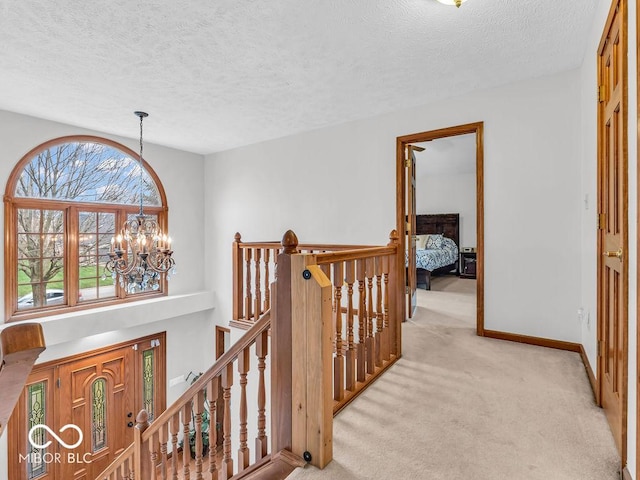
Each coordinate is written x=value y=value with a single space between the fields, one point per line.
x=50 y=366
x=622 y=8
x=401 y=192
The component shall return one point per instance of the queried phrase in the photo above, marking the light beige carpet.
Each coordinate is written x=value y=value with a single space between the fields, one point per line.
x=457 y=406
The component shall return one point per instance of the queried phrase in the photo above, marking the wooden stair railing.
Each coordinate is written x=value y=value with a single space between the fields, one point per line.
x=294 y=337
x=20 y=346
x=368 y=287
x=254 y=267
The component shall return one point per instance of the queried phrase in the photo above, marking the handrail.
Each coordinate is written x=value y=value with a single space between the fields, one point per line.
x=119 y=463
x=216 y=369
x=333 y=257
x=20 y=346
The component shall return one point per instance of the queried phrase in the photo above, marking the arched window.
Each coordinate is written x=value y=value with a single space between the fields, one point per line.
x=64 y=202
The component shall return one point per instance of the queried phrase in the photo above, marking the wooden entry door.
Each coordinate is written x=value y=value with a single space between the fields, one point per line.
x=99 y=401
x=613 y=234
x=101 y=393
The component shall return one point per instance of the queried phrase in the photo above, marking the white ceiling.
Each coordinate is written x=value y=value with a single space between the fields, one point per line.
x=217 y=74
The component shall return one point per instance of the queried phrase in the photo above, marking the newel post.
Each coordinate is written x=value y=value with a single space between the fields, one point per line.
x=142 y=467
x=302 y=352
x=281 y=359
x=236 y=255
x=396 y=299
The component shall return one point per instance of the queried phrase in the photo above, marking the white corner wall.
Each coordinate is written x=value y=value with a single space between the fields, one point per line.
x=185 y=314
x=338 y=185
x=588 y=248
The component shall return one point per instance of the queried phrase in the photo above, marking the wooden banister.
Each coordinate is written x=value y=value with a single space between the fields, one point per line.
x=20 y=346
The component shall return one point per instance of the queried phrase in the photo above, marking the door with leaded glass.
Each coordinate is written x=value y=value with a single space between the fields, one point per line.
x=99 y=394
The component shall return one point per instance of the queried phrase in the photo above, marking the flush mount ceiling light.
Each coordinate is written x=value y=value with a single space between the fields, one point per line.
x=457 y=3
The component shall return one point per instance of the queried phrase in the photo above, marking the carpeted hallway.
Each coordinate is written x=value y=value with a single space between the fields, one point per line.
x=457 y=406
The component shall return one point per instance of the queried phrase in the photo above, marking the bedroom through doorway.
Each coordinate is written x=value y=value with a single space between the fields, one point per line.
x=440 y=209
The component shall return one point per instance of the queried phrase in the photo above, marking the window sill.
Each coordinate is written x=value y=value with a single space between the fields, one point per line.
x=73 y=325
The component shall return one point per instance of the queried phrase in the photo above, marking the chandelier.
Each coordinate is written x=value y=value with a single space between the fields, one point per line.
x=140 y=253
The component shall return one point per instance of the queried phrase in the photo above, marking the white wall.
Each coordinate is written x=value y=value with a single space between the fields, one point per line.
x=449 y=194
x=588 y=250
x=185 y=314
x=338 y=184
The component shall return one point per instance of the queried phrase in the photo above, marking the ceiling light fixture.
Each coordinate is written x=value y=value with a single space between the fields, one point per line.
x=141 y=253
x=457 y=3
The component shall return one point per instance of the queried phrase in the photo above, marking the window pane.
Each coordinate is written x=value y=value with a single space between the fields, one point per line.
x=94 y=246
x=147 y=382
x=36 y=415
x=40 y=271
x=99 y=414
x=86 y=172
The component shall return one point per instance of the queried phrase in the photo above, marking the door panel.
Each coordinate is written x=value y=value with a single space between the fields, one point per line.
x=98 y=401
x=613 y=238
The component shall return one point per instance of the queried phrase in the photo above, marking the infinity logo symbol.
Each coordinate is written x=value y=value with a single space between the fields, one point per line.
x=52 y=433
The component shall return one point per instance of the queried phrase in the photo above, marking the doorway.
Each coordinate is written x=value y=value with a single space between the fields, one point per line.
x=405 y=211
x=99 y=393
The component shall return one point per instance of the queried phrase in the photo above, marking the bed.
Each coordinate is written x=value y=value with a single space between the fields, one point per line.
x=440 y=253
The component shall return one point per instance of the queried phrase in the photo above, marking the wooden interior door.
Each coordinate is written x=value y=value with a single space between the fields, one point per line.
x=100 y=404
x=613 y=237
x=411 y=229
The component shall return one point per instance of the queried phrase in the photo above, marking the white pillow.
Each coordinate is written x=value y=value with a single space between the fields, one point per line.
x=421 y=240
x=433 y=242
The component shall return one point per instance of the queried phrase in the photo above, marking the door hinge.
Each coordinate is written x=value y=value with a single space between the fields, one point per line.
x=408 y=225
x=406 y=290
x=602 y=221
x=407 y=162
x=602 y=93
x=58 y=383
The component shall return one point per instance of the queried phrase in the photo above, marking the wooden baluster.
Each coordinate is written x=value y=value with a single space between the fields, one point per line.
x=141 y=466
x=175 y=427
x=227 y=460
x=362 y=321
x=213 y=389
x=262 y=345
x=385 y=326
x=125 y=470
x=236 y=255
x=243 y=369
x=153 y=456
x=267 y=280
x=326 y=268
x=164 y=460
x=350 y=375
x=338 y=360
x=379 y=312
x=198 y=408
x=370 y=344
x=257 y=301
x=186 y=448
x=247 y=294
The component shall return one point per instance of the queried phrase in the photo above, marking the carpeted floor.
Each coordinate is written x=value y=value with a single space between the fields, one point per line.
x=457 y=406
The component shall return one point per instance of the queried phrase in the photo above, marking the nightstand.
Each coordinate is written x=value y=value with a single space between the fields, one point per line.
x=467 y=264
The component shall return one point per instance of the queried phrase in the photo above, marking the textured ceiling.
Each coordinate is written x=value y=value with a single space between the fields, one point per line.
x=219 y=74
